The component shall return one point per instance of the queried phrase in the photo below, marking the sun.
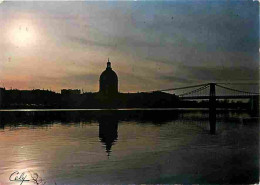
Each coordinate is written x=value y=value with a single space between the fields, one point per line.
x=22 y=35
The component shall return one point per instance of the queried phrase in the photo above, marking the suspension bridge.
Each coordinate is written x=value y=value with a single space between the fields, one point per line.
x=214 y=91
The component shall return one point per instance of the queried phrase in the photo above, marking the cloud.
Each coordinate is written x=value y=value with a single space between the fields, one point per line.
x=87 y=42
x=164 y=43
x=170 y=78
x=87 y=78
x=221 y=73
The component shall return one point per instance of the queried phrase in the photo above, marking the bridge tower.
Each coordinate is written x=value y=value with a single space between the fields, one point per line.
x=212 y=107
x=254 y=104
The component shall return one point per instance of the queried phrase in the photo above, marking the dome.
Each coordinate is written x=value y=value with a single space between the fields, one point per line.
x=108 y=81
x=108 y=75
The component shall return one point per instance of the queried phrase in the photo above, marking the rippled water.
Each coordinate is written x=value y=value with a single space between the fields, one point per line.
x=129 y=146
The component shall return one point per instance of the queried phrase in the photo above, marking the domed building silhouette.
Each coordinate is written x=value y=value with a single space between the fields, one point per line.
x=108 y=81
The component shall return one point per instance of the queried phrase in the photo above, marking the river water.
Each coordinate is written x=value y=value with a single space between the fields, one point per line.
x=128 y=146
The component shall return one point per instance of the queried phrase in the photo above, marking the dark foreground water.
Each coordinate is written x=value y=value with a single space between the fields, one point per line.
x=128 y=146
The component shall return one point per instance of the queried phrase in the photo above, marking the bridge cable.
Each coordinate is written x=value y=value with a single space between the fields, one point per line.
x=237 y=90
x=194 y=91
x=187 y=87
x=227 y=83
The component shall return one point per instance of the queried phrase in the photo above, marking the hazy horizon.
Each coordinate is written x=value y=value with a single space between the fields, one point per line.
x=151 y=45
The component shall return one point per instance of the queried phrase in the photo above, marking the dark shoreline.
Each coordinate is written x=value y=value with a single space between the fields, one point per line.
x=121 y=109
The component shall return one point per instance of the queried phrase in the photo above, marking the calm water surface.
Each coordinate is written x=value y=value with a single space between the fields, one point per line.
x=129 y=146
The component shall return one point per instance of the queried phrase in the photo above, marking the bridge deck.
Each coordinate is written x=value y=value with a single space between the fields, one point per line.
x=220 y=97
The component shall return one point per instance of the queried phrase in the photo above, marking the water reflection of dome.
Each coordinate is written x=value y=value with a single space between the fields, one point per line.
x=108 y=132
x=108 y=81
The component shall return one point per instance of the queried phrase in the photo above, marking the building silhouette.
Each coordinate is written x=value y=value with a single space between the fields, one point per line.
x=108 y=81
x=70 y=91
x=2 y=91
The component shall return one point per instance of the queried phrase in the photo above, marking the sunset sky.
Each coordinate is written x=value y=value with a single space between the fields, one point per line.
x=151 y=45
